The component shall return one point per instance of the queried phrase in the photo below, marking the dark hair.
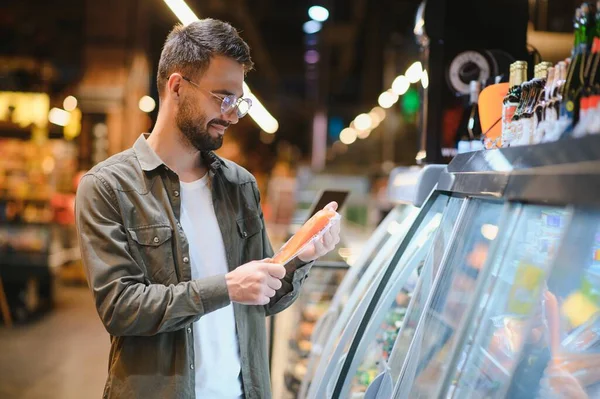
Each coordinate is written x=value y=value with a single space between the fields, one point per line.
x=189 y=49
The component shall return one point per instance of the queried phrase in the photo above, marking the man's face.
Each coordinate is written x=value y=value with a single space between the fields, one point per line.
x=199 y=114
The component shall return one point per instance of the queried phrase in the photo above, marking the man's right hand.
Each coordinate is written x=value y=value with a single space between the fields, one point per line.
x=255 y=283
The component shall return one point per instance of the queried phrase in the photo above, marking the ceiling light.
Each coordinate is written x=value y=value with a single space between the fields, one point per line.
x=311 y=27
x=380 y=112
x=70 y=103
x=363 y=134
x=425 y=79
x=387 y=99
x=259 y=113
x=182 y=11
x=59 y=116
x=400 y=85
x=147 y=104
x=413 y=73
x=363 y=122
x=348 y=136
x=318 y=13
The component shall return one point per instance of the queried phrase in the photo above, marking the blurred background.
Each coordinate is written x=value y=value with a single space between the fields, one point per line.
x=350 y=90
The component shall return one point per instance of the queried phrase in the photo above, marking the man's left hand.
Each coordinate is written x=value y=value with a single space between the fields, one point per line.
x=325 y=244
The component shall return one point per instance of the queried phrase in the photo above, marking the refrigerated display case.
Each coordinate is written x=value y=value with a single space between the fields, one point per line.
x=409 y=257
x=506 y=303
x=298 y=356
x=376 y=253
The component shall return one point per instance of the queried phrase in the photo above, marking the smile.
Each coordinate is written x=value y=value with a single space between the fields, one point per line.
x=219 y=128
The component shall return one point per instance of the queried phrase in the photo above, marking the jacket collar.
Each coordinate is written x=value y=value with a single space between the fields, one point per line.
x=149 y=160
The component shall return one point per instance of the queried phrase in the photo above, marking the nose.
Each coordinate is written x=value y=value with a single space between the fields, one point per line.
x=231 y=116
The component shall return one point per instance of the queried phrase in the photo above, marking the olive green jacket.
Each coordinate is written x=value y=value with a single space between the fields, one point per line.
x=136 y=257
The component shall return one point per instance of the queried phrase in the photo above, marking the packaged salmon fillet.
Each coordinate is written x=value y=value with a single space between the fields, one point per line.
x=312 y=230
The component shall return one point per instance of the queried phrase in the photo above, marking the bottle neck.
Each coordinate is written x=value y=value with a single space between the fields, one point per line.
x=520 y=76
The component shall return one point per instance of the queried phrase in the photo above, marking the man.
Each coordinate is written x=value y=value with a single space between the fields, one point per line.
x=172 y=238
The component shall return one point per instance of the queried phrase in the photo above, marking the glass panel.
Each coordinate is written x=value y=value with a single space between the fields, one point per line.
x=293 y=328
x=355 y=286
x=425 y=285
x=431 y=346
x=393 y=308
x=427 y=227
x=395 y=225
x=561 y=355
x=511 y=295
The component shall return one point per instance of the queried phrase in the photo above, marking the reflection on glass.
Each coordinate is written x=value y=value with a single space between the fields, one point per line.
x=427 y=228
x=377 y=355
x=397 y=227
x=394 y=229
x=511 y=296
x=431 y=345
x=312 y=303
x=562 y=359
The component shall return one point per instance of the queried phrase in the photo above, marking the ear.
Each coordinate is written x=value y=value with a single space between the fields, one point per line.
x=174 y=84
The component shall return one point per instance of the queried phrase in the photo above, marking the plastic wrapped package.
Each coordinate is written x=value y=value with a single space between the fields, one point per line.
x=311 y=231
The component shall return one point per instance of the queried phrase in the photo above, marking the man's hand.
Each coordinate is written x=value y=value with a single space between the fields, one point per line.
x=326 y=244
x=254 y=283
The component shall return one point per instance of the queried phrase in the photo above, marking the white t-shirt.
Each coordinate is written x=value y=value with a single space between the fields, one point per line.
x=217 y=358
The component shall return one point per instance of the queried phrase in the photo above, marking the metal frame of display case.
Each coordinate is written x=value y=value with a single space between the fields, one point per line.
x=560 y=173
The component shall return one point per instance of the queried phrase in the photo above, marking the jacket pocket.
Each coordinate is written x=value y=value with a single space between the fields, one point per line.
x=154 y=247
x=249 y=226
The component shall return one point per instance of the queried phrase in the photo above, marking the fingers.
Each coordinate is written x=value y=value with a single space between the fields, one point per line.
x=336 y=227
x=264 y=300
x=328 y=240
x=274 y=283
x=269 y=292
x=320 y=249
x=276 y=270
x=331 y=239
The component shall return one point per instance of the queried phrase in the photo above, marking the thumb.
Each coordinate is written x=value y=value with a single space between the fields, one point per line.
x=333 y=206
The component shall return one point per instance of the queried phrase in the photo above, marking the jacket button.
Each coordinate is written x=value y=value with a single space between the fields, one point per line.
x=156 y=240
x=189 y=330
x=192 y=366
x=186 y=259
x=176 y=193
x=245 y=234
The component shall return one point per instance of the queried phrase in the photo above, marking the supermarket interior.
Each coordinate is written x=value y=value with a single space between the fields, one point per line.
x=461 y=139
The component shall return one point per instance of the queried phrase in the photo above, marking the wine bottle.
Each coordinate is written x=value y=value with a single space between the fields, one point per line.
x=589 y=113
x=535 y=89
x=588 y=101
x=558 y=123
x=550 y=112
x=545 y=74
x=520 y=113
x=518 y=75
x=576 y=76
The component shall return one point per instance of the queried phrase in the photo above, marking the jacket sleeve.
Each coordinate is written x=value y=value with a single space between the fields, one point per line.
x=293 y=280
x=128 y=304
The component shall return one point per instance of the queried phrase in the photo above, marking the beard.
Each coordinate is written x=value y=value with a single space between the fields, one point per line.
x=195 y=129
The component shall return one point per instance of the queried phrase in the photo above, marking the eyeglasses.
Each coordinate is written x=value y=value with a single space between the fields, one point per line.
x=229 y=102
